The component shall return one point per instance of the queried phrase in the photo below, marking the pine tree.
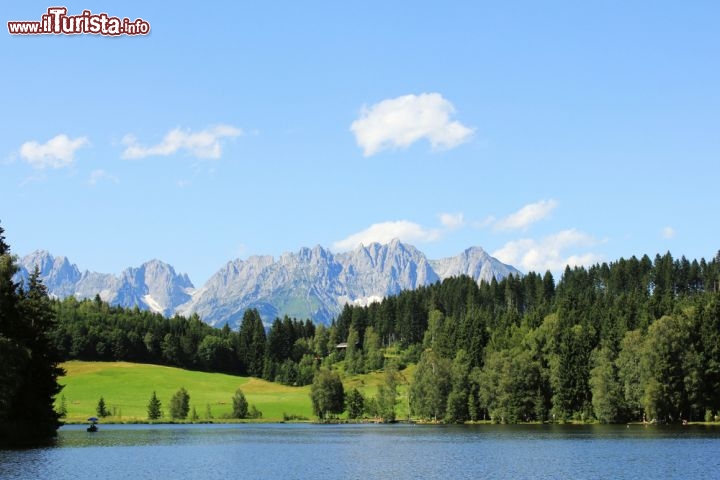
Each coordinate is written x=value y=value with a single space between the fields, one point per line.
x=251 y=343
x=101 y=409
x=15 y=357
x=28 y=382
x=154 y=407
x=353 y=355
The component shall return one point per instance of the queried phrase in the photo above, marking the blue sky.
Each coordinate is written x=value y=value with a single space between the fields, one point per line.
x=544 y=132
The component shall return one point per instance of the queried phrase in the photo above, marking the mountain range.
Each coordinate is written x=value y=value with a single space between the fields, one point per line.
x=311 y=283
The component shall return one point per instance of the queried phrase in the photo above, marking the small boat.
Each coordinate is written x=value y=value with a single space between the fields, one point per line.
x=93 y=424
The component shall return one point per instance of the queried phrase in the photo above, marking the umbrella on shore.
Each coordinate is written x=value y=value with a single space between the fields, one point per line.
x=92 y=419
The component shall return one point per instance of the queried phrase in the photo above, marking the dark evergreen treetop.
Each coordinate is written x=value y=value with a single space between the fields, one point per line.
x=28 y=383
x=4 y=247
x=154 y=407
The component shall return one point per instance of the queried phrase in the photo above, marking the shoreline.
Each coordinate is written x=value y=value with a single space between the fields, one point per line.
x=376 y=422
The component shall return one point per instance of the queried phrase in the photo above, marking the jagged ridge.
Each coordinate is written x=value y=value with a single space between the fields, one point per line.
x=311 y=283
x=153 y=286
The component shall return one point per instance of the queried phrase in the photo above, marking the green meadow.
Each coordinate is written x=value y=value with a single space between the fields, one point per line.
x=127 y=388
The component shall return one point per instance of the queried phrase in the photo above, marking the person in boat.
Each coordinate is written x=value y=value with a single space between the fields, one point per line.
x=93 y=424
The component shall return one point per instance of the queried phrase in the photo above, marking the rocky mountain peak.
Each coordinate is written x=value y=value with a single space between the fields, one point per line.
x=310 y=283
x=154 y=285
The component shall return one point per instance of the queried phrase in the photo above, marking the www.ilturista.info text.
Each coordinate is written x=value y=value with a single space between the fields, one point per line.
x=57 y=21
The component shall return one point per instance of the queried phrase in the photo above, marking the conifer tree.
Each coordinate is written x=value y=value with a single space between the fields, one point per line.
x=101 y=409
x=154 y=407
x=28 y=382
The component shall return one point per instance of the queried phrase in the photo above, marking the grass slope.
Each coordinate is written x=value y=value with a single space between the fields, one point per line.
x=368 y=384
x=127 y=387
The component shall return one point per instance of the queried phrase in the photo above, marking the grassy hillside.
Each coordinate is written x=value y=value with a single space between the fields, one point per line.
x=127 y=387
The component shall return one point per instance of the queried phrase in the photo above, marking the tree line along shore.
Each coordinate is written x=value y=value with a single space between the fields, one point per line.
x=635 y=340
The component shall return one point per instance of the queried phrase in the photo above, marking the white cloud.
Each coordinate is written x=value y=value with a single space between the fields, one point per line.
x=98 y=175
x=203 y=144
x=452 y=220
x=668 y=232
x=400 y=122
x=58 y=152
x=550 y=253
x=527 y=215
x=385 y=232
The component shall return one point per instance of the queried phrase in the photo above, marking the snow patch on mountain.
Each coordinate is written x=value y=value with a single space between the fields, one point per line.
x=152 y=304
x=359 y=302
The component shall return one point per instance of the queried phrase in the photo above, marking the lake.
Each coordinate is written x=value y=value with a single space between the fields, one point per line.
x=290 y=451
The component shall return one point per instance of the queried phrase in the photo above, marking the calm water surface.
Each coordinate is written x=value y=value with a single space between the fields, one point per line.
x=371 y=451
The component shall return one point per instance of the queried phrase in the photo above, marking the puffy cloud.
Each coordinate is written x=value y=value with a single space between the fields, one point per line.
x=58 y=152
x=203 y=144
x=385 y=232
x=403 y=230
x=668 y=232
x=549 y=253
x=452 y=220
x=400 y=122
x=526 y=216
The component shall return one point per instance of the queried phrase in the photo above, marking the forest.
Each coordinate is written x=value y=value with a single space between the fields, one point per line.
x=631 y=340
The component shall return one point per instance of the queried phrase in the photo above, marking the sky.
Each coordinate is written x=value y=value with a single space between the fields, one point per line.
x=547 y=133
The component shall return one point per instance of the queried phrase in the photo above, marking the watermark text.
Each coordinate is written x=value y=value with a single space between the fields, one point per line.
x=57 y=22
